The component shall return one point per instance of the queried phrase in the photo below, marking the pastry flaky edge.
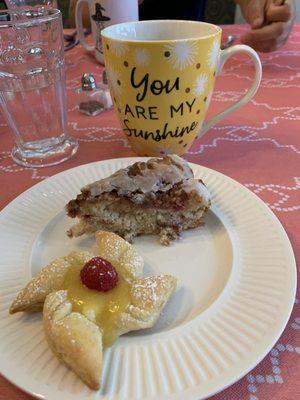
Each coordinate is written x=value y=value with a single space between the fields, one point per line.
x=73 y=337
x=50 y=279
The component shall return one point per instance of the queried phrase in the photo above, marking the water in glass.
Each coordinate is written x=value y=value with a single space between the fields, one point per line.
x=33 y=88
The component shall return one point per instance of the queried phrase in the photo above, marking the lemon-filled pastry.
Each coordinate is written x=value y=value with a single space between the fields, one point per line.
x=89 y=298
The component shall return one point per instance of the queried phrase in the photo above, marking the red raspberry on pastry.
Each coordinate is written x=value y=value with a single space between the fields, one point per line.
x=99 y=274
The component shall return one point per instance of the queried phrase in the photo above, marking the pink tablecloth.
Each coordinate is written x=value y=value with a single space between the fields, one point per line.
x=259 y=146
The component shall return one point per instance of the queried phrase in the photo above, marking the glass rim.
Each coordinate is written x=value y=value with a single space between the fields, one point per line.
x=43 y=14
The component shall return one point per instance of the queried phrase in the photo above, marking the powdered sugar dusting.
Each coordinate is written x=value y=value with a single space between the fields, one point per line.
x=148 y=298
x=121 y=254
x=48 y=280
x=150 y=292
x=69 y=331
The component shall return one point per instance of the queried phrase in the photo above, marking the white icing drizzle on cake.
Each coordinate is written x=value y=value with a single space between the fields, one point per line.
x=190 y=185
x=153 y=176
x=156 y=175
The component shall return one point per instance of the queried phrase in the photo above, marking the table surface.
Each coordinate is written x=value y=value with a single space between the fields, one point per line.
x=259 y=146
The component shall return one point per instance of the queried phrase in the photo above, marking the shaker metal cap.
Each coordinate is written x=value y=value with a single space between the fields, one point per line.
x=88 y=82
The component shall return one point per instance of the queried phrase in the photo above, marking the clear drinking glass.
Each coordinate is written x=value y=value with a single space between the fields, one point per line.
x=33 y=85
x=12 y=4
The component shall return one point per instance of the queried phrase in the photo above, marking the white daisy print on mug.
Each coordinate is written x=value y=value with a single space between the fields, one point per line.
x=141 y=57
x=181 y=54
x=200 y=84
x=114 y=80
x=214 y=54
x=119 y=48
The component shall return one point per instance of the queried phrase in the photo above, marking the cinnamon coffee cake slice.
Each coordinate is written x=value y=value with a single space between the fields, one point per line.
x=160 y=196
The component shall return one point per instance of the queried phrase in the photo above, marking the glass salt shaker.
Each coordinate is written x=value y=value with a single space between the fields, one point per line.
x=93 y=98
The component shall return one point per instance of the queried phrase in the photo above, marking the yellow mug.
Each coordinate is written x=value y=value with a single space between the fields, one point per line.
x=161 y=76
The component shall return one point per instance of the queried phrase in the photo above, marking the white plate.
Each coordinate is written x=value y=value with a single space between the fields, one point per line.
x=237 y=281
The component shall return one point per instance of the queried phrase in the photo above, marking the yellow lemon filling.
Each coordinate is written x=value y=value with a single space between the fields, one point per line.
x=103 y=308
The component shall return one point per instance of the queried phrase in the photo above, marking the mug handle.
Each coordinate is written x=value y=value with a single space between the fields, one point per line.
x=224 y=55
x=79 y=26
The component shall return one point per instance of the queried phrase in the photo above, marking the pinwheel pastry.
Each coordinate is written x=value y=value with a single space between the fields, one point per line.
x=90 y=298
x=160 y=196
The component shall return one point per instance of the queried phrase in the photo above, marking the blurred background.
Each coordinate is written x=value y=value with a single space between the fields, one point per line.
x=217 y=11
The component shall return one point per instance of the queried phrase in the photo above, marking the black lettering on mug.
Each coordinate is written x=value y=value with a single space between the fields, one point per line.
x=156 y=87
x=159 y=134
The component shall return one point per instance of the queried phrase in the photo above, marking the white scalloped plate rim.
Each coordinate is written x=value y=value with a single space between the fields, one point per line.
x=202 y=355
